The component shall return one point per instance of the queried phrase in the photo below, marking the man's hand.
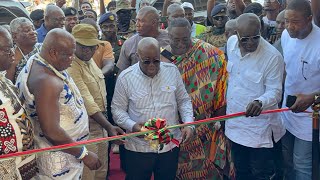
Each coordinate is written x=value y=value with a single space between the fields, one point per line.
x=92 y=161
x=187 y=133
x=302 y=103
x=137 y=128
x=114 y=131
x=254 y=109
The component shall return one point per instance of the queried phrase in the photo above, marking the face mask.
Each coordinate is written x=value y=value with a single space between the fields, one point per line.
x=124 y=17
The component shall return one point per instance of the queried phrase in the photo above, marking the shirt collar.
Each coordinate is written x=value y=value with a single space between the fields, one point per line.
x=82 y=63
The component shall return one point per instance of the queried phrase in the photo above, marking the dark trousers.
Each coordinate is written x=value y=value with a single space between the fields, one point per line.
x=253 y=163
x=140 y=166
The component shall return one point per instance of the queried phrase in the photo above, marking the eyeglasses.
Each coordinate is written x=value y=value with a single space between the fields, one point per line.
x=247 y=38
x=8 y=50
x=219 y=18
x=147 y=62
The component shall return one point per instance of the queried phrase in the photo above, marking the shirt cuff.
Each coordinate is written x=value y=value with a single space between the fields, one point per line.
x=93 y=110
x=188 y=120
x=263 y=101
x=129 y=125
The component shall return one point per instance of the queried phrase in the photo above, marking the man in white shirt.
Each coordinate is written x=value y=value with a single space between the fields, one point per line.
x=300 y=44
x=145 y=90
x=255 y=70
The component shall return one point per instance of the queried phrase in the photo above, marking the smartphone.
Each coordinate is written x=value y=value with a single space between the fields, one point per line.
x=290 y=100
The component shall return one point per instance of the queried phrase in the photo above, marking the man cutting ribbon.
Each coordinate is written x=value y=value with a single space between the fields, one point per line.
x=147 y=90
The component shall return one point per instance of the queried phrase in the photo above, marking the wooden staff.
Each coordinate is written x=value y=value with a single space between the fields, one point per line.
x=315 y=138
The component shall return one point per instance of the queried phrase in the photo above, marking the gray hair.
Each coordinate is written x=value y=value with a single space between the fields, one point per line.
x=179 y=22
x=17 y=22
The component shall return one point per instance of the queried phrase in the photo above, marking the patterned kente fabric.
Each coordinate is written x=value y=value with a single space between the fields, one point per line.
x=16 y=134
x=203 y=70
x=73 y=120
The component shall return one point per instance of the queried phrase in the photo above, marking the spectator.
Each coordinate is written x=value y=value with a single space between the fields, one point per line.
x=91 y=14
x=85 y=6
x=196 y=29
x=302 y=59
x=16 y=128
x=280 y=27
x=147 y=26
x=112 y=6
x=71 y=18
x=216 y=35
x=175 y=11
x=149 y=89
x=37 y=18
x=230 y=28
x=125 y=18
x=25 y=39
x=255 y=71
x=53 y=18
x=108 y=26
x=272 y=9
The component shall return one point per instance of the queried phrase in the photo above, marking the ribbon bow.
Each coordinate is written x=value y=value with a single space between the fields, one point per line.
x=161 y=135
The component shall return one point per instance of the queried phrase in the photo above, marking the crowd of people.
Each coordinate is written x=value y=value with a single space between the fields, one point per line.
x=69 y=75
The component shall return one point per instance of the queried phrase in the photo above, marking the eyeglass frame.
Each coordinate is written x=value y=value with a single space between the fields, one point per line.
x=9 y=50
x=253 y=38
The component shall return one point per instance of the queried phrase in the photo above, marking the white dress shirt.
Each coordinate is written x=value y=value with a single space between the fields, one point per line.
x=138 y=98
x=255 y=76
x=302 y=60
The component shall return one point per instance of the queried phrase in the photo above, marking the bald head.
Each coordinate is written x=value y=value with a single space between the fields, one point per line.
x=230 y=28
x=146 y=44
x=52 y=9
x=53 y=17
x=281 y=15
x=231 y=24
x=150 y=12
x=247 y=22
x=57 y=39
x=149 y=56
x=175 y=11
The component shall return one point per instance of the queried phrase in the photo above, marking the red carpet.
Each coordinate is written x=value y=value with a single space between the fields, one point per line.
x=115 y=172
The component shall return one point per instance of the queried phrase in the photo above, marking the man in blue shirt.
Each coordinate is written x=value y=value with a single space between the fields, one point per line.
x=53 y=18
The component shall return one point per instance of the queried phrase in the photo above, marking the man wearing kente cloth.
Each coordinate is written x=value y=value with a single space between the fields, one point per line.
x=203 y=70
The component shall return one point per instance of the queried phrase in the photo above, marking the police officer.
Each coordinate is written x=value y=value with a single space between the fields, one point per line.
x=215 y=34
x=109 y=29
x=71 y=18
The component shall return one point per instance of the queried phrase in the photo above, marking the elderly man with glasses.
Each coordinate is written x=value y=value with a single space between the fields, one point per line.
x=145 y=90
x=255 y=70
